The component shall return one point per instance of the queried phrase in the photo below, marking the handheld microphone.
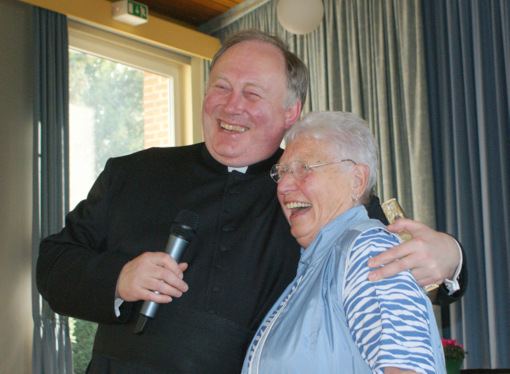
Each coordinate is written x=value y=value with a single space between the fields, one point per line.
x=181 y=233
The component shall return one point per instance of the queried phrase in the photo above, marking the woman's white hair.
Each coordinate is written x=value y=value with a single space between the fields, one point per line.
x=347 y=133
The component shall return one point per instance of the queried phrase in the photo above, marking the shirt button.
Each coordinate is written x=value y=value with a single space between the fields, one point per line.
x=234 y=190
x=216 y=289
x=223 y=248
x=228 y=228
x=211 y=311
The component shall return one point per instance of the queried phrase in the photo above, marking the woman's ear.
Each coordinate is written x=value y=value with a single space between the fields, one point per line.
x=360 y=174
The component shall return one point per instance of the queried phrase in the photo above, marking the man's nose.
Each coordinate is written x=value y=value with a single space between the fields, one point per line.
x=234 y=104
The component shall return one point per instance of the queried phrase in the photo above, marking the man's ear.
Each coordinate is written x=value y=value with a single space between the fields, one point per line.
x=292 y=114
x=360 y=174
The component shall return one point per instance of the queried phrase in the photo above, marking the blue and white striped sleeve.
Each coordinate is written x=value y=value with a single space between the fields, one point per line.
x=388 y=319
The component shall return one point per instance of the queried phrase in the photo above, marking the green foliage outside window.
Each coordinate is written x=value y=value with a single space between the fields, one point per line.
x=82 y=339
x=115 y=93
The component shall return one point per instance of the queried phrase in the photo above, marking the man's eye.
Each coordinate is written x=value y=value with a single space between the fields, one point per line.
x=252 y=95
x=220 y=86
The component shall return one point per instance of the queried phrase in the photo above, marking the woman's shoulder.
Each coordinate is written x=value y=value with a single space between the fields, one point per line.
x=371 y=230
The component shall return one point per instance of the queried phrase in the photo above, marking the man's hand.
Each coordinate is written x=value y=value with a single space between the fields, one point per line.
x=152 y=271
x=431 y=256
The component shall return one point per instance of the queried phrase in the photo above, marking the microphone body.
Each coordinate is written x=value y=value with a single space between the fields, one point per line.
x=182 y=232
x=175 y=248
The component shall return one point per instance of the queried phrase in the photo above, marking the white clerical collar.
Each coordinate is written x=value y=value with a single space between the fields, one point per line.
x=240 y=170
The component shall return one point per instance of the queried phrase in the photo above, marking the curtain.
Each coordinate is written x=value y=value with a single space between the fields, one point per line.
x=51 y=342
x=468 y=60
x=367 y=57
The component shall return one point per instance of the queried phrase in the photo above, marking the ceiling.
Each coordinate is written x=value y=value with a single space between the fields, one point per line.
x=189 y=12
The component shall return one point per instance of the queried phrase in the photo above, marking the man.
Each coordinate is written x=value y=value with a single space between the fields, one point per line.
x=243 y=255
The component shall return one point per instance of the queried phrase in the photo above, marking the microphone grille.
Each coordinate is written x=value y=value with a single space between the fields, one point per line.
x=185 y=225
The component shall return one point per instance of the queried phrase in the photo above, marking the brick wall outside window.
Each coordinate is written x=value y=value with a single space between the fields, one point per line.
x=156 y=113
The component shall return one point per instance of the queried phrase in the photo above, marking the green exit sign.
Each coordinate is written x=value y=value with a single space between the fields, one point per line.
x=137 y=10
x=130 y=12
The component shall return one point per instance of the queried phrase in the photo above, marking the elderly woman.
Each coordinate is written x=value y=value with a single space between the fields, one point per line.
x=332 y=319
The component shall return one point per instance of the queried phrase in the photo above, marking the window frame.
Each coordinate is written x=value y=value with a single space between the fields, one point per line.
x=145 y=55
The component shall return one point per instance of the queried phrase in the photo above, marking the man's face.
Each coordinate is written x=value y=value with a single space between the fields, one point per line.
x=243 y=115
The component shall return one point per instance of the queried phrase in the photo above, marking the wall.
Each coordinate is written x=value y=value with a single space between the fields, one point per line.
x=16 y=146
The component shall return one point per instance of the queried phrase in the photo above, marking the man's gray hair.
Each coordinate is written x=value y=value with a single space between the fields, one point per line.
x=297 y=72
x=347 y=133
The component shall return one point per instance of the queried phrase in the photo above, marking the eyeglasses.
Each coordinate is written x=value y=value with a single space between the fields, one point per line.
x=298 y=169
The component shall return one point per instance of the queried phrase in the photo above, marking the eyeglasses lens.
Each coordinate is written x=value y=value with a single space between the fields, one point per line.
x=298 y=170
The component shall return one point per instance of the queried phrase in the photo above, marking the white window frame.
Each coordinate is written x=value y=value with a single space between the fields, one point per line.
x=143 y=56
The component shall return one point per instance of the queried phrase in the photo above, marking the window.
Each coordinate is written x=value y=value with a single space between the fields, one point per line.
x=124 y=96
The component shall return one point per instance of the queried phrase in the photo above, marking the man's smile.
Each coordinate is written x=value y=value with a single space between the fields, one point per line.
x=232 y=128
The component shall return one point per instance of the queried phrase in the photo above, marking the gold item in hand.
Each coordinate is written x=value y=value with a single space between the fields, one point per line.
x=393 y=211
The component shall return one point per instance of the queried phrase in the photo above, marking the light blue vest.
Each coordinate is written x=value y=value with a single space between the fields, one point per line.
x=306 y=331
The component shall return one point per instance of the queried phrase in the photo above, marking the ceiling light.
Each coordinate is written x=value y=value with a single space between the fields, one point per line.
x=300 y=16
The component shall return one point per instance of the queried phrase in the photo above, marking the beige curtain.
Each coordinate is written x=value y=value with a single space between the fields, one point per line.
x=368 y=57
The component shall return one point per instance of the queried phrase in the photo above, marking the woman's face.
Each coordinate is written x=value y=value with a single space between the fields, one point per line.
x=325 y=193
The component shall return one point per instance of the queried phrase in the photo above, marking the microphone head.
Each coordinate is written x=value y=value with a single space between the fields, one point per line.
x=185 y=225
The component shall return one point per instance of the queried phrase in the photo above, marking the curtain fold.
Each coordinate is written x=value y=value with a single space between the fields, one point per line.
x=468 y=60
x=367 y=57
x=51 y=342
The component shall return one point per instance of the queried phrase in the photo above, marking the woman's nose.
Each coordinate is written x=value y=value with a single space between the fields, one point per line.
x=287 y=183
